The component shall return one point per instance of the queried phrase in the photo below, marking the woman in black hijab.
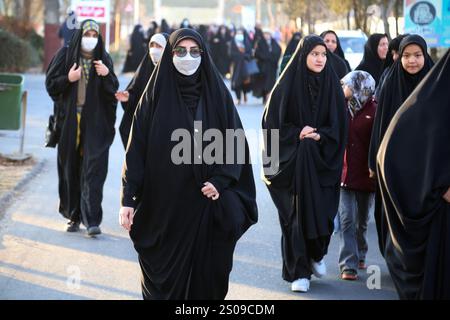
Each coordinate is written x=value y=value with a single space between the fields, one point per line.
x=414 y=176
x=267 y=55
x=334 y=45
x=188 y=216
x=81 y=80
x=130 y=97
x=290 y=49
x=220 y=50
x=331 y=39
x=137 y=50
x=402 y=79
x=241 y=53
x=375 y=51
x=307 y=108
x=391 y=57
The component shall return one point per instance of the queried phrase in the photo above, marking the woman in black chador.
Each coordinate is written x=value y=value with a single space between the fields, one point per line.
x=130 y=97
x=337 y=58
x=241 y=53
x=137 y=51
x=375 y=51
x=184 y=215
x=414 y=176
x=81 y=78
x=307 y=106
x=404 y=75
x=290 y=50
x=267 y=54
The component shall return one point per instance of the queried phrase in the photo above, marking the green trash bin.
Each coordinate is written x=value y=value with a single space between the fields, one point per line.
x=11 y=91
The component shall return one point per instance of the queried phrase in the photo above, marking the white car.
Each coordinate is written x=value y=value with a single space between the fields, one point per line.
x=352 y=43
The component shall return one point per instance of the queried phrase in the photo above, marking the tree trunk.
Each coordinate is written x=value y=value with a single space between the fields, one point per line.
x=348 y=20
x=27 y=12
x=52 y=42
x=397 y=15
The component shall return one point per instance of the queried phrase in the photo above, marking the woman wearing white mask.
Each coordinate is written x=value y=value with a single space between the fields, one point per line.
x=81 y=80
x=130 y=97
x=186 y=216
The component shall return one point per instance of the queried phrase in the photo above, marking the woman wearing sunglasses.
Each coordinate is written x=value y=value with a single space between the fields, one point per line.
x=185 y=219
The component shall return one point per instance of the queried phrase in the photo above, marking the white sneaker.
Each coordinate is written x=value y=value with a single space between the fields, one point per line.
x=319 y=269
x=301 y=285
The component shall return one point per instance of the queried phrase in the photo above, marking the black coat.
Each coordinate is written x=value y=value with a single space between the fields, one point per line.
x=185 y=241
x=81 y=184
x=418 y=240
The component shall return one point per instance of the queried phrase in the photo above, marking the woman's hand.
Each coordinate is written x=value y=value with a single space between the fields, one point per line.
x=100 y=68
x=210 y=191
x=123 y=96
x=126 y=216
x=446 y=195
x=306 y=131
x=315 y=136
x=371 y=174
x=74 y=73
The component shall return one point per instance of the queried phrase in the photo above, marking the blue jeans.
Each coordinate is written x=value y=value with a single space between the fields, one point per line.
x=353 y=216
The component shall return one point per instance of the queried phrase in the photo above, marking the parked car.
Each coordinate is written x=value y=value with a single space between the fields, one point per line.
x=352 y=42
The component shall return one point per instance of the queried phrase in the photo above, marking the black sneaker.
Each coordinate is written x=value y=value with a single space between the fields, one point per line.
x=93 y=231
x=73 y=226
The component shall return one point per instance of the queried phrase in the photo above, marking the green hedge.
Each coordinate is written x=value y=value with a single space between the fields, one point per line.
x=16 y=54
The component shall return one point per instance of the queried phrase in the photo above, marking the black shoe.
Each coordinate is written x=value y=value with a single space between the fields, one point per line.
x=93 y=231
x=73 y=226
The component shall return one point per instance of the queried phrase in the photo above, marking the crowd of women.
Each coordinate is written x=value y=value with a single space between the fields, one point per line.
x=346 y=139
x=249 y=59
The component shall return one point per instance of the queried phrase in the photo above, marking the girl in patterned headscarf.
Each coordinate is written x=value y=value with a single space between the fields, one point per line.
x=357 y=188
x=362 y=86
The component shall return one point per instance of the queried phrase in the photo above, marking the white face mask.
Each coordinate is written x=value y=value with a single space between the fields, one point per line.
x=187 y=65
x=88 y=43
x=155 y=55
x=240 y=37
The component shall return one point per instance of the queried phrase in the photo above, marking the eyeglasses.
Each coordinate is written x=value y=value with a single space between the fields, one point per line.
x=181 y=52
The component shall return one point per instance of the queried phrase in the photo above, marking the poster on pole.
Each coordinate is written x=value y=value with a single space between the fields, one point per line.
x=430 y=19
x=98 y=10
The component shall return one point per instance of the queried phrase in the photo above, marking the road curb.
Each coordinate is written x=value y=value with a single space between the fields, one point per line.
x=7 y=199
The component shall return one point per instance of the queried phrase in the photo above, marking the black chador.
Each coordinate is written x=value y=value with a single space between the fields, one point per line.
x=135 y=88
x=305 y=185
x=414 y=174
x=185 y=240
x=84 y=144
x=371 y=61
x=397 y=86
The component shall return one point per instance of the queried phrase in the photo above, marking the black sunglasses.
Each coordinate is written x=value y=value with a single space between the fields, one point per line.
x=181 y=52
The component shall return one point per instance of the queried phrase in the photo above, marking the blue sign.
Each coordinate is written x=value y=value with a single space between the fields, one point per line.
x=430 y=19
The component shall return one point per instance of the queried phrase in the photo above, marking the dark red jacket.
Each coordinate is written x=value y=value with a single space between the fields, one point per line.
x=355 y=173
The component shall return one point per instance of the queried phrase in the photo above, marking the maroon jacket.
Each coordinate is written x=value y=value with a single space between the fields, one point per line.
x=355 y=173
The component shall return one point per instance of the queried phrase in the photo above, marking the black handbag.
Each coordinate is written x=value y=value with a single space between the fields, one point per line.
x=51 y=133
